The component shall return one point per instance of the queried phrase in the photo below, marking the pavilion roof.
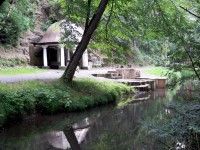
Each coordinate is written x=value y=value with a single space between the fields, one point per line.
x=54 y=33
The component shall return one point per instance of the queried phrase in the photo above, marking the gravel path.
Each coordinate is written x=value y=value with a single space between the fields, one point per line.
x=56 y=74
x=53 y=74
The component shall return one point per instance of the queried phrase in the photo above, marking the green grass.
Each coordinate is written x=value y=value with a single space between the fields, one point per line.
x=18 y=100
x=161 y=71
x=173 y=77
x=20 y=71
x=158 y=71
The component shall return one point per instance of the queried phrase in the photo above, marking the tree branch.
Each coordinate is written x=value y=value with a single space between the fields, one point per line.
x=193 y=64
x=162 y=15
x=189 y=12
x=95 y=17
x=88 y=15
x=109 y=17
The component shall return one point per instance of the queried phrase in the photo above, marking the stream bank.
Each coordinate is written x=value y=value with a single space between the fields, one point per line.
x=27 y=98
x=110 y=127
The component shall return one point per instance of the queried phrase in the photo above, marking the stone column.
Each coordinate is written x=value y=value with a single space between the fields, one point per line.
x=68 y=57
x=62 y=55
x=45 y=63
x=85 y=60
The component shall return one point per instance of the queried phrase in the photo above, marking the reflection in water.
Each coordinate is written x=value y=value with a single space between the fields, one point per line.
x=122 y=128
x=72 y=136
x=106 y=128
x=58 y=139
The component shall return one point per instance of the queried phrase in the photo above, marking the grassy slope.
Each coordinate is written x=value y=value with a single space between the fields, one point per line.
x=18 y=100
x=19 y=71
x=158 y=71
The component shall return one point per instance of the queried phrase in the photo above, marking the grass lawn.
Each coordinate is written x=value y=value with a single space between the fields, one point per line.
x=158 y=71
x=20 y=71
x=161 y=71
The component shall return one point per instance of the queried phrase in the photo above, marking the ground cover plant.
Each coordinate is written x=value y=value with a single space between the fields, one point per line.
x=21 y=99
x=12 y=62
x=20 y=71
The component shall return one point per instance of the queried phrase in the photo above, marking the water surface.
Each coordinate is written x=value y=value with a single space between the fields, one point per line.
x=103 y=128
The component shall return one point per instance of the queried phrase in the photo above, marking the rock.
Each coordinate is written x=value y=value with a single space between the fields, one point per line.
x=38 y=33
x=25 y=50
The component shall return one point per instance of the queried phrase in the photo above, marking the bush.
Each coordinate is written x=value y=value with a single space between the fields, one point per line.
x=12 y=62
x=182 y=125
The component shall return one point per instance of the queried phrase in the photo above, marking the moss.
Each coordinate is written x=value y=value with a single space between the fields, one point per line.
x=17 y=100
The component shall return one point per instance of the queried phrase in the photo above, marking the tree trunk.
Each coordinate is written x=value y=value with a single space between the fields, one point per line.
x=71 y=68
x=71 y=137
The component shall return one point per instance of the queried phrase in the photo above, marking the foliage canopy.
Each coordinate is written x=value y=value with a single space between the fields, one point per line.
x=16 y=17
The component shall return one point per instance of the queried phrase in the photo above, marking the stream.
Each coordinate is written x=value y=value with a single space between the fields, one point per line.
x=110 y=127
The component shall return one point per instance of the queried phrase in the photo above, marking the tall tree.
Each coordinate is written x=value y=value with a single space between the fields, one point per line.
x=114 y=34
x=90 y=27
x=123 y=21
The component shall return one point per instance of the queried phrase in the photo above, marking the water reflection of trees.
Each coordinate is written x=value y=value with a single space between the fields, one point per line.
x=122 y=129
x=180 y=129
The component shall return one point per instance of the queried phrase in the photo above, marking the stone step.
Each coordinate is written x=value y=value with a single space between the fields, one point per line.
x=99 y=75
x=116 y=77
x=145 y=87
x=159 y=82
x=137 y=100
x=112 y=71
x=111 y=75
x=134 y=82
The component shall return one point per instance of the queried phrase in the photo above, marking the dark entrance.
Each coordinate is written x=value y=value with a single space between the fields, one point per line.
x=52 y=54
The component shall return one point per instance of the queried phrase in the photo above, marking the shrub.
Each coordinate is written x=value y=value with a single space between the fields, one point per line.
x=12 y=62
x=182 y=124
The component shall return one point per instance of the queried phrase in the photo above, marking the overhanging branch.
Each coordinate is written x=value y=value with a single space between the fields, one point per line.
x=109 y=17
x=189 y=12
x=193 y=63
